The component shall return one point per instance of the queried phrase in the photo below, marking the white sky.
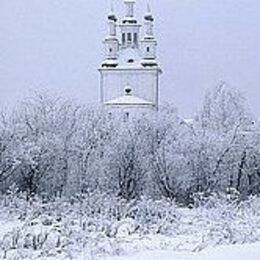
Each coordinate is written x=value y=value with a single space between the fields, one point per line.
x=57 y=44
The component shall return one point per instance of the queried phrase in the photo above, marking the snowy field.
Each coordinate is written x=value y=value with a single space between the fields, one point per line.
x=241 y=252
x=105 y=228
x=78 y=183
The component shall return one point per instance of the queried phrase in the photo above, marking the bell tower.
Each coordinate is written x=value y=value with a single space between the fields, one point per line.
x=130 y=62
x=148 y=43
x=129 y=27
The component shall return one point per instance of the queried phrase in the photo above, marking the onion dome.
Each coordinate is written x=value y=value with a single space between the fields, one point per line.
x=148 y=16
x=112 y=17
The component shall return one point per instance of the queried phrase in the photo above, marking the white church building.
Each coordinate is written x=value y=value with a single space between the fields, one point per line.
x=130 y=70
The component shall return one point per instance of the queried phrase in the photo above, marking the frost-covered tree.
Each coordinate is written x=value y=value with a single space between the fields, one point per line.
x=7 y=136
x=223 y=109
x=223 y=123
x=44 y=128
x=126 y=160
x=88 y=148
x=54 y=147
x=169 y=163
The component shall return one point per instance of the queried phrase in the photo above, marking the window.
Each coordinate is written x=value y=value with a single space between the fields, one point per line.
x=110 y=50
x=126 y=116
x=123 y=38
x=135 y=38
x=129 y=37
x=148 y=49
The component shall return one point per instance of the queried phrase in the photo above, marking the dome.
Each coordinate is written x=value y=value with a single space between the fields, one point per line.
x=149 y=17
x=112 y=17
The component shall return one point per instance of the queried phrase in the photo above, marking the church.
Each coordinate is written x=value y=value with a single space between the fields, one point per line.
x=129 y=72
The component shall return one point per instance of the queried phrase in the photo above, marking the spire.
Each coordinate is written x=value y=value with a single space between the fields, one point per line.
x=112 y=10
x=111 y=15
x=148 y=22
x=148 y=8
x=129 y=7
x=148 y=16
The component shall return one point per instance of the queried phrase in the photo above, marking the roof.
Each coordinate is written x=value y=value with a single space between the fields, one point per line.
x=129 y=57
x=129 y=100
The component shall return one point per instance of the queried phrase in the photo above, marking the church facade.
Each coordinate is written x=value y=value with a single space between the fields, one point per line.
x=130 y=71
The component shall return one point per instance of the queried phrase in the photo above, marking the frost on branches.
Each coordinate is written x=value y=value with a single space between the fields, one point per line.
x=79 y=179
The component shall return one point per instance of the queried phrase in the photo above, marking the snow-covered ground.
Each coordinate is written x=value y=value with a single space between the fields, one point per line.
x=232 y=252
x=105 y=228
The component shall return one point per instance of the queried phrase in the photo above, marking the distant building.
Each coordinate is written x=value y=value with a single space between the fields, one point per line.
x=130 y=70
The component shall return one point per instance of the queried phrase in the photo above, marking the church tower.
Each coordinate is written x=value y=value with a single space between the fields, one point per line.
x=130 y=70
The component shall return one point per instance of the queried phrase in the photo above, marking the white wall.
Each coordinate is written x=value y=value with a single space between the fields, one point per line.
x=143 y=83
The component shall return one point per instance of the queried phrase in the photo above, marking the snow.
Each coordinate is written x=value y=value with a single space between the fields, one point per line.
x=129 y=54
x=233 y=252
x=157 y=230
x=110 y=204
x=129 y=100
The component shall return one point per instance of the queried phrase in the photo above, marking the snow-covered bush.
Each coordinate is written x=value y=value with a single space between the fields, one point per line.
x=102 y=225
x=52 y=147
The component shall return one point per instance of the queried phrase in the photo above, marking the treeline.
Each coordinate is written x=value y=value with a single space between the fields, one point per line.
x=53 y=147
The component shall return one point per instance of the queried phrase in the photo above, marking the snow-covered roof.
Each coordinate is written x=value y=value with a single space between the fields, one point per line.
x=129 y=57
x=110 y=62
x=129 y=100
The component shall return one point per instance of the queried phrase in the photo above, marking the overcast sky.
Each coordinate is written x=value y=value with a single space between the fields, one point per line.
x=57 y=44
